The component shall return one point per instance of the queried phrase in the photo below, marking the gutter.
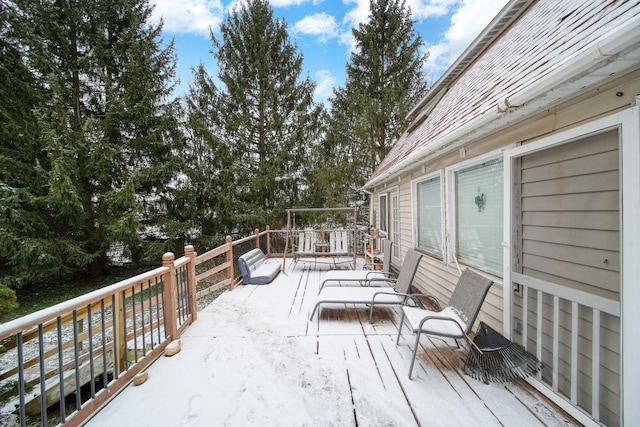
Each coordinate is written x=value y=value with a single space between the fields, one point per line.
x=604 y=52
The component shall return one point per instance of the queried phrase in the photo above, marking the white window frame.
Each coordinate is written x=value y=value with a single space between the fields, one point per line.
x=390 y=193
x=452 y=211
x=415 y=209
x=383 y=225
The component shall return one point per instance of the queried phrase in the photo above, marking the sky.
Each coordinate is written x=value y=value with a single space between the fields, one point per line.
x=321 y=29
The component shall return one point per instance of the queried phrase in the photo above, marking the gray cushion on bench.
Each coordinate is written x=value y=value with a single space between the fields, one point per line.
x=256 y=269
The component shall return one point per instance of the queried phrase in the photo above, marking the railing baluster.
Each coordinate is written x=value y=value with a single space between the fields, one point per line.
x=135 y=321
x=525 y=316
x=105 y=380
x=185 y=292
x=144 y=344
x=178 y=297
x=63 y=416
x=595 y=366
x=164 y=309
x=158 y=289
x=150 y=301
x=23 y=416
x=539 y=297
x=43 y=382
x=116 y=340
x=556 y=339
x=92 y=384
x=574 y=353
x=76 y=348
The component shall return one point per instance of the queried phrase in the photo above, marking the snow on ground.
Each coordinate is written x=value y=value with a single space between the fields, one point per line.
x=253 y=359
x=247 y=371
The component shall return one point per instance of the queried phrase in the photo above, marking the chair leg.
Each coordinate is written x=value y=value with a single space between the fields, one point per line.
x=400 y=328
x=314 y=311
x=415 y=353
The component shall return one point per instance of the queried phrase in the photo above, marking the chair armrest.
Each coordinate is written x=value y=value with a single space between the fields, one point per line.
x=388 y=280
x=427 y=296
x=386 y=274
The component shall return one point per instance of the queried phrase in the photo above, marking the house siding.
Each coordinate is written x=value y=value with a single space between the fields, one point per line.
x=557 y=69
x=570 y=235
x=542 y=244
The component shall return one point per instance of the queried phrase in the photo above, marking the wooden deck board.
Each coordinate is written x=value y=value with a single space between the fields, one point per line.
x=339 y=355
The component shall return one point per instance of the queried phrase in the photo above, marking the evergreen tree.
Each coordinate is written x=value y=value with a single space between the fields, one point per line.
x=266 y=111
x=107 y=129
x=209 y=180
x=385 y=79
x=22 y=187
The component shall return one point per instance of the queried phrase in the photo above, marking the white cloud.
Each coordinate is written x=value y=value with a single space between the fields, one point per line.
x=287 y=3
x=325 y=84
x=421 y=9
x=320 y=24
x=188 y=16
x=471 y=17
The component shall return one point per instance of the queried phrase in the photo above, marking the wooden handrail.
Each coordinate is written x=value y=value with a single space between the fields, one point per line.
x=147 y=310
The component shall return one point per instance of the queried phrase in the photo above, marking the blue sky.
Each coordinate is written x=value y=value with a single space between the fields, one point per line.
x=322 y=31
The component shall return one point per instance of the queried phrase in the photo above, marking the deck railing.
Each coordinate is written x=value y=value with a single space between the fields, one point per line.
x=89 y=348
x=566 y=329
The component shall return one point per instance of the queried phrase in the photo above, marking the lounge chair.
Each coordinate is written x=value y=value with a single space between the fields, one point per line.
x=371 y=295
x=454 y=321
x=363 y=277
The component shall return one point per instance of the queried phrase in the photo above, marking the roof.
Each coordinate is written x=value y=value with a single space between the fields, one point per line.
x=532 y=54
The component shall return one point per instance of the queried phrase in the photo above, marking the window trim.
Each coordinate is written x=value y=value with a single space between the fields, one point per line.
x=452 y=211
x=440 y=174
x=389 y=192
x=379 y=219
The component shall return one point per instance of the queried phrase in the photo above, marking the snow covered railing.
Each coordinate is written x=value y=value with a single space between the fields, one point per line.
x=87 y=349
x=97 y=343
x=218 y=267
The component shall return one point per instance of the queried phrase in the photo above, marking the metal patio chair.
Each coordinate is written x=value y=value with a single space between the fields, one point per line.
x=454 y=321
x=371 y=295
x=363 y=277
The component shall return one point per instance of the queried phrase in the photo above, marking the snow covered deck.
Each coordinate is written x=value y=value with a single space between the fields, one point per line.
x=253 y=358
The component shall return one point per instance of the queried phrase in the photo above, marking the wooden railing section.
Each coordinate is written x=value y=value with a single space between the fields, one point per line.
x=89 y=348
x=67 y=361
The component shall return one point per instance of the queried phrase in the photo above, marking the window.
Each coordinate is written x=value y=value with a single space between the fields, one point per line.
x=390 y=219
x=394 y=226
x=429 y=215
x=479 y=215
x=383 y=213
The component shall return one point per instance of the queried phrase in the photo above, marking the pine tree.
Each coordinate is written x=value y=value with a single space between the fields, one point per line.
x=107 y=128
x=209 y=180
x=385 y=79
x=267 y=112
x=386 y=74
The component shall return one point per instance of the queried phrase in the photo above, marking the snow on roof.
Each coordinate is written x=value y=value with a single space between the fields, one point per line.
x=521 y=51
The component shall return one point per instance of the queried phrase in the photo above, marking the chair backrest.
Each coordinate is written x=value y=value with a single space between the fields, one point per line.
x=306 y=241
x=386 y=255
x=408 y=271
x=468 y=296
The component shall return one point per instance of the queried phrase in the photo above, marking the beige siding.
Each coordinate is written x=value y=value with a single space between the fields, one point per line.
x=572 y=191
x=570 y=235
